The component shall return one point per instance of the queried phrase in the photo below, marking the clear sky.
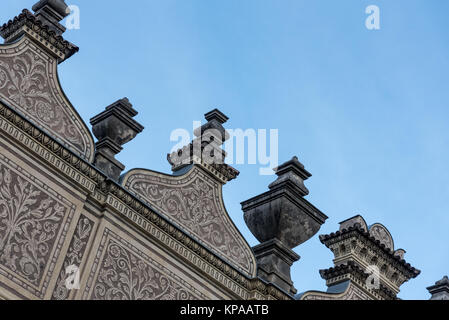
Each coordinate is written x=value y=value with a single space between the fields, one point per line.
x=366 y=111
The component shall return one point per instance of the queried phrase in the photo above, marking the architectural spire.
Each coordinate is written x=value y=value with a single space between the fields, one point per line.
x=51 y=13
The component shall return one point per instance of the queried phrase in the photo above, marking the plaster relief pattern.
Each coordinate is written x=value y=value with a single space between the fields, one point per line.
x=74 y=255
x=31 y=227
x=126 y=273
x=28 y=83
x=194 y=202
x=381 y=233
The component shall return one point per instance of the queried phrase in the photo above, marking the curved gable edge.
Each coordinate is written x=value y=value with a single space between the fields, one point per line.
x=29 y=84
x=381 y=233
x=343 y=291
x=194 y=202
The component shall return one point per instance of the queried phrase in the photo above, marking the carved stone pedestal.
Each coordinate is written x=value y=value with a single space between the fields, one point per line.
x=281 y=219
x=113 y=128
x=274 y=260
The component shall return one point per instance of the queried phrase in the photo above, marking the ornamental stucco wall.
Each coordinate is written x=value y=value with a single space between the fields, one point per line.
x=66 y=206
x=58 y=210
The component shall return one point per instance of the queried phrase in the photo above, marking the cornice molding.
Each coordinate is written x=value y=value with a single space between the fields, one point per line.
x=375 y=244
x=27 y=23
x=110 y=195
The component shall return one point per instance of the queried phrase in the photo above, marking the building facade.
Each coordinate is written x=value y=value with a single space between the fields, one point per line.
x=73 y=225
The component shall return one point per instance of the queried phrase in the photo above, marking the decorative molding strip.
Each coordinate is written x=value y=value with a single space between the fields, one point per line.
x=55 y=154
x=129 y=206
x=74 y=255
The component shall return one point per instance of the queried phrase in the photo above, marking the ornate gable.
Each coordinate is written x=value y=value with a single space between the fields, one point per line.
x=29 y=82
x=193 y=201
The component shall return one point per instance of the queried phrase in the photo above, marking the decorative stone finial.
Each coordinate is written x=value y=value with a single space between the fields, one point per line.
x=282 y=219
x=113 y=128
x=292 y=172
x=206 y=149
x=440 y=290
x=50 y=13
x=217 y=115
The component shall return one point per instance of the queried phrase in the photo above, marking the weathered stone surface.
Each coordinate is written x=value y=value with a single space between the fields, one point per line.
x=282 y=219
x=206 y=148
x=274 y=260
x=365 y=256
x=113 y=128
x=282 y=212
x=50 y=13
x=440 y=290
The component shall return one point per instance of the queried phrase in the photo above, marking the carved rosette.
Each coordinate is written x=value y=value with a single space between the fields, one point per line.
x=194 y=202
x=29 y=84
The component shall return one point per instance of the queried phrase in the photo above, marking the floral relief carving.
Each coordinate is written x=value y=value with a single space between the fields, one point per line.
x=30 y=222
x=380 y=233
x=126 y=276
x=74 y=255
x=194 y=204
x=28 y=84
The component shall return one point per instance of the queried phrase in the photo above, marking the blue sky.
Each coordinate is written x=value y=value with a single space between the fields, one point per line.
x=365 y=111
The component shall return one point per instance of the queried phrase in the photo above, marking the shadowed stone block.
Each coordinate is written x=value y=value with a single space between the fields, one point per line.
x=274 y=260
x=50 y=13
x=440 y=290
x=113 y=128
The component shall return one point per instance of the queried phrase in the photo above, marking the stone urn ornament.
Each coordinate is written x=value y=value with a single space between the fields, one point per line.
x=281 y=219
